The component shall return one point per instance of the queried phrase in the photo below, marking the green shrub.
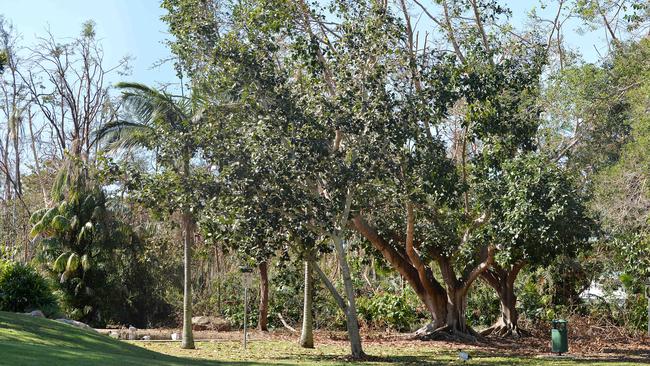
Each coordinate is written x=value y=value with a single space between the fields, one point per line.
x=23 y=289
x=388 y=310
x=531 y=303
x=483 y=307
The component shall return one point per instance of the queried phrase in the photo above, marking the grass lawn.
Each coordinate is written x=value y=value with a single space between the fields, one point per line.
x=25 y=340
x=29 y=341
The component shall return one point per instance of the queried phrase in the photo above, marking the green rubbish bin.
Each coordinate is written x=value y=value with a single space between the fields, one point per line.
x=559 y=340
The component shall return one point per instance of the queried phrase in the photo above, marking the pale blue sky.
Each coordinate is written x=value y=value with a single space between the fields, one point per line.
x=134 y=28
x=125 y=28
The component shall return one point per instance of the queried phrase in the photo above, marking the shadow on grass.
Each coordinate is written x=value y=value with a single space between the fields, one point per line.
x=26 y=340
x=488 y=359
x=370 y=359
x=638 y=357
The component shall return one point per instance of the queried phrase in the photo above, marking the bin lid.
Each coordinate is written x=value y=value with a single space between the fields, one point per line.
x=559 y=321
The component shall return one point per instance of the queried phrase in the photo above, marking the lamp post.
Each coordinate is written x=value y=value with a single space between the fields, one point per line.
x=246 y=272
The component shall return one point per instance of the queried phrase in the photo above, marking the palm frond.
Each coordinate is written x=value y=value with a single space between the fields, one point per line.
x=126 y=135
x=149 y=105
x=60 y=182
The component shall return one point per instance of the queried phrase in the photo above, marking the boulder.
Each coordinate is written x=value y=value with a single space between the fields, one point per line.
x=210 y=323
x=77 y=324
x=36 y=313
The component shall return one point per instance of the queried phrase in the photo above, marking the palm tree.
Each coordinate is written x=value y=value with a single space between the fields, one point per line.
x=163 y=123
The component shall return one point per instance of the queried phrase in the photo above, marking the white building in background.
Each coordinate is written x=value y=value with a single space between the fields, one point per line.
x=596 y=292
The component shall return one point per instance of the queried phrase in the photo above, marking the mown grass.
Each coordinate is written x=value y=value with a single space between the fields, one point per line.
x=29 y=341
x=25 y=340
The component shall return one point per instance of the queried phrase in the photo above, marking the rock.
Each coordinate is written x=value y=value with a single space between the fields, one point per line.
x=146 y=338
x=210 y=323
x=36 y=313
x=176 y=336
x=77 y=324
x=114 y=334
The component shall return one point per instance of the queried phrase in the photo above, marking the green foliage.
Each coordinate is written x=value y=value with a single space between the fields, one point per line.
x=482 y=305
x=391 y=311
x=537 y=211
x=552 y=292
x=531 y=302
x=635 y=314
x=22 y=289
x=622 y=195
x=94 y=258
x=225 y=297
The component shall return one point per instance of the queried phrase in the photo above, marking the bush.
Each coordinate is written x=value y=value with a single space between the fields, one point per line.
x=388 y=310
x=483 y=308
x=531 y=304
x=23 y=289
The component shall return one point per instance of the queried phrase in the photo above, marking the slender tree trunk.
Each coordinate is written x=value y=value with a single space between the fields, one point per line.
x=18 y=189
x=351 y=308
x=188 y=239
x=307 y=331
x=37 y=166
x=264 y=296
x=17 y=177
x=9 y=242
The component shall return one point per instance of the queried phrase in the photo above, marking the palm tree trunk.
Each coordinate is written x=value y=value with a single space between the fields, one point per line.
x=188 y=238
x=307 y=331
x=188 y=241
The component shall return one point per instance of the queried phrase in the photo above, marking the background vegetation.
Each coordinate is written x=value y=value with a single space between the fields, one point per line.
x=458 y=172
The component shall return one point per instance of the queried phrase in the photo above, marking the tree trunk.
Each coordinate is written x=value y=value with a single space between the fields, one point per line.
x=509 y=314
x=451 y=325
x=456 y=306
x=433 y=295
x=188 y=239
x=507 y=324
x=307 y=331
x=351 y=307
x=457 y=286
x=502 y=281
x=37 y=166
x=446 y=306
x=264 y=296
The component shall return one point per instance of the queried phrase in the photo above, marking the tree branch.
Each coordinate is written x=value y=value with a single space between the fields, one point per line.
x=337 y=297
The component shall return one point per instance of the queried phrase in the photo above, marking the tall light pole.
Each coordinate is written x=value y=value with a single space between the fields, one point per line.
x=246 y=272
